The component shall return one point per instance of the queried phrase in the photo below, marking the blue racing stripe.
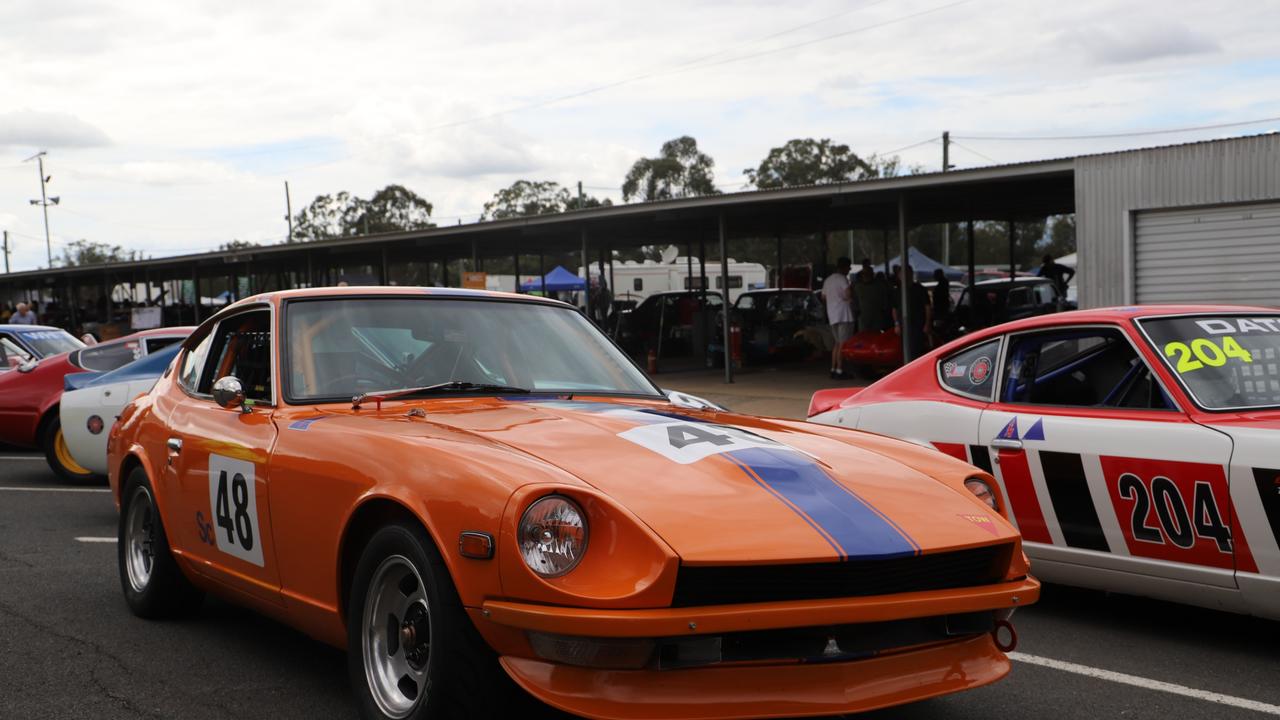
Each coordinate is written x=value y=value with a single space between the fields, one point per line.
x=860 y=531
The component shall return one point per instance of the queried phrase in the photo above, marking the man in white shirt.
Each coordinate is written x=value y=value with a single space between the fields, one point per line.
x=836 y=295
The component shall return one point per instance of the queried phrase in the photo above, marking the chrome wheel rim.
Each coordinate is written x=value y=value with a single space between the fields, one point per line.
x=139 y=539
x=396 y=637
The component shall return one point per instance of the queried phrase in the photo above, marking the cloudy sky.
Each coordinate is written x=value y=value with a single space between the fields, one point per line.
x=172 y=125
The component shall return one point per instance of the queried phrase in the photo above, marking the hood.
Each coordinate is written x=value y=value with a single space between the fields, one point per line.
x=723 y=489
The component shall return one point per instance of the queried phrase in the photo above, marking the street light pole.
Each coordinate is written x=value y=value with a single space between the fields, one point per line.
x=44 y=202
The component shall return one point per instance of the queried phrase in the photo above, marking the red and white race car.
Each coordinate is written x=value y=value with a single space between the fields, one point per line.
x=1139 y=447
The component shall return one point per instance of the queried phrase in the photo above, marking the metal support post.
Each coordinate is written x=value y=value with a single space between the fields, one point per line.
x=905 y=319
x=724 y=287
x=586 y=276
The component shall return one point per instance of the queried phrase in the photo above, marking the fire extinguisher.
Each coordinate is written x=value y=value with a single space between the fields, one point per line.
x=653 y=361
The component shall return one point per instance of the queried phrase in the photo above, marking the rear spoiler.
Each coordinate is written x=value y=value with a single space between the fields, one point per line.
x=830 y=399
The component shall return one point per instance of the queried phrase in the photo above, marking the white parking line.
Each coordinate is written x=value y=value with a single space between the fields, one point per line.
x=95 y=539
x=1147 y=683
x=22 y=457
x=56 y=489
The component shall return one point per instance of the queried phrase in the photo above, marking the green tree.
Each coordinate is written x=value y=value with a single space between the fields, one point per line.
x=238 y=245
x=393 y=208
x=84 y=252
x=679 y=170
x=536 y=197
x=808 y=162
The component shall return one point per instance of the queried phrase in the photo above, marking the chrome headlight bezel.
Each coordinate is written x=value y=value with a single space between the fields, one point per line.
x=552 y=535
x=984 y=491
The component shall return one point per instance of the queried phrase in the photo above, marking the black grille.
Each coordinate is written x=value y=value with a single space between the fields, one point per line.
x=724 y=585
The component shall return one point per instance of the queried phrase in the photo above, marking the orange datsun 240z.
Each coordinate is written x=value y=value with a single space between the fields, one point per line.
x=465 y=489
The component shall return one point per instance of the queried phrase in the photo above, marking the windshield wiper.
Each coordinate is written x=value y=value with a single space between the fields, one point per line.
x=444 y=387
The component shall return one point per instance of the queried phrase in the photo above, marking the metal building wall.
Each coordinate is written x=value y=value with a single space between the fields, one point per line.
x=1109 y=188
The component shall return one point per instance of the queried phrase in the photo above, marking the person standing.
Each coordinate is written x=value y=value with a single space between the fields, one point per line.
x=1059 y=275
x=23 y=316
x=836 y=294
x=941 y=301
x=871 y=297
x=921 y=314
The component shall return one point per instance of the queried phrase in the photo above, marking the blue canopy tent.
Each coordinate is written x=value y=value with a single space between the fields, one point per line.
x=557 y=280
x=925 y=265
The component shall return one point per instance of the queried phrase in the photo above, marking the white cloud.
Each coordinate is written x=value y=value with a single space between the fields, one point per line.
x=27 y=128
x=1140 y=41
x=153 y=172
x=210 y=105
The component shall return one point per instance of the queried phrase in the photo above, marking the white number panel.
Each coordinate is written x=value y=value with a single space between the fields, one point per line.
x=233 y=499
x=687 y=442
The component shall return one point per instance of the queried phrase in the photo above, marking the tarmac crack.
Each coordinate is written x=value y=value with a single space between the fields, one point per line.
x=95 y=649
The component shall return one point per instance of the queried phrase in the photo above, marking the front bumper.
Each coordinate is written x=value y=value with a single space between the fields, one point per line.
x=775 y=688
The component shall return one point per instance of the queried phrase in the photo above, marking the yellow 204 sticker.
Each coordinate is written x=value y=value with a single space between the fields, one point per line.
x=1203 y=351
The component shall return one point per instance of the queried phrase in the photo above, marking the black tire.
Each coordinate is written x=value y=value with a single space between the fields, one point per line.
x=165 y=592
x=56 y=454
x=462 y=679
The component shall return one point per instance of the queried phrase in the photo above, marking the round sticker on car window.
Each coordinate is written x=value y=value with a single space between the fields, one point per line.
x=980 y=370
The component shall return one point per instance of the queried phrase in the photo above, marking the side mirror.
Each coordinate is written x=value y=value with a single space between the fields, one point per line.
x=229 y=393
x=693 y=402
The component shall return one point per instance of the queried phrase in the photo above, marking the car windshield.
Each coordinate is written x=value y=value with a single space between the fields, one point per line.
x=1224 y=362
x=49 y=342
x=344 y=347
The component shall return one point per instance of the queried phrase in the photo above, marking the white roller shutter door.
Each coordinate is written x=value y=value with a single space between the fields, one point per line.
x=1208 y=255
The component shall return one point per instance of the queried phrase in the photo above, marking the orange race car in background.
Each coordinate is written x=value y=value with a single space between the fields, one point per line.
x=466 y=489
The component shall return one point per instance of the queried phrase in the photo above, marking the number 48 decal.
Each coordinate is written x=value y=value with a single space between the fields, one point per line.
x=234 y=502
x=1176 y=525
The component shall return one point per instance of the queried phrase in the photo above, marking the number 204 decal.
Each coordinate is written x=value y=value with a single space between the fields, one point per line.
x=234 y=502
x=1176 y=511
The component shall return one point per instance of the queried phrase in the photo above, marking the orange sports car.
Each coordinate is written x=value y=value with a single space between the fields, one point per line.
x=475 y=493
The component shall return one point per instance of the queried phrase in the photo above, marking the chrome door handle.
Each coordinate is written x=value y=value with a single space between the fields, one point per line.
x=174 y=445
x=1006 y=444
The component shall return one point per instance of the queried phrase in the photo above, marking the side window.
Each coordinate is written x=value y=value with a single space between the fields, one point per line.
x=10 y=349
x=241 y=347
x=637 y=284
x=971 y=372
x=102 y=358
x=154 y=344
x=192 y=363
x=1080 y=367
x=746 y=302
x=1019 y=297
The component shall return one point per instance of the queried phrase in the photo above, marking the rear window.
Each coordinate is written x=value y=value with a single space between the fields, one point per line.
x=971 y=372
x=1224 y=362
x=101 y=358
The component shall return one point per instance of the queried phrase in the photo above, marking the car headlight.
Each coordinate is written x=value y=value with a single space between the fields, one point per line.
x=553 y=535
x=983 y=491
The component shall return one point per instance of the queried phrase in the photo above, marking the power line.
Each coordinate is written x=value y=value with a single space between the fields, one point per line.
x=975 y=152
x=678 y=70
x=1136 y=133
x=895 y=151
x=826 y=38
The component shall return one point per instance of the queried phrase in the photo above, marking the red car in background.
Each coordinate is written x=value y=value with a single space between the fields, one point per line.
x=29 y=396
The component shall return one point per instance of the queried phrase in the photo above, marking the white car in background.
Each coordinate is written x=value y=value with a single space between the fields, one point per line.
x=92 y=401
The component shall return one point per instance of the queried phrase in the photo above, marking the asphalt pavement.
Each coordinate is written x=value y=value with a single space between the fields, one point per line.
x=69 y=648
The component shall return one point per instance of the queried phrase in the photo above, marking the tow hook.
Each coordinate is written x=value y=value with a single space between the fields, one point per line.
x=1005 y=645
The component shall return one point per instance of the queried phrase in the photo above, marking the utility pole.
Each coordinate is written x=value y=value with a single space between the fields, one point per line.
x=581 y=199
x=946 y=228
x=6 y=252
x=288 y=211
x=44 y=202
